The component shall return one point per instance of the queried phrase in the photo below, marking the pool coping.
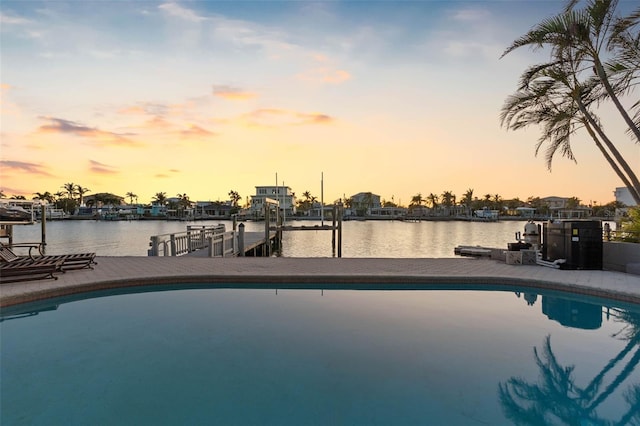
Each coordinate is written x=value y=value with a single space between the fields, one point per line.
x=130 y=272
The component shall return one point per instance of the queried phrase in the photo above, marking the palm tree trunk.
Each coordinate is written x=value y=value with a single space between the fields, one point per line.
x=595 y=382
x=605 y=82
x=635 y=183
x=635 y=194
x=626 y=371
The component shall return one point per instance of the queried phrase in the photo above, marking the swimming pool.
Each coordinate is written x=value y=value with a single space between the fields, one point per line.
x=312 y=356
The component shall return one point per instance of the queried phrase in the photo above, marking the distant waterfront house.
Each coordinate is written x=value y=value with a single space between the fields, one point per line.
x=155 y=210
x=525 y=212
x=623 y=196
x=555 y=202
x=387 y=212
x=99 y=203
x=579 y=212
x=214 y=208
x=363 y=202
x=282 y=194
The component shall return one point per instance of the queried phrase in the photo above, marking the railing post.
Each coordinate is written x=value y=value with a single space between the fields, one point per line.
x=241 y=240
x=333 y=230
x=173 y=244
x=153 y=251
x=223 y=239
x=234 y=241
x=340 y=214
x=210 y=248
x=189 y=246
x=267 y=244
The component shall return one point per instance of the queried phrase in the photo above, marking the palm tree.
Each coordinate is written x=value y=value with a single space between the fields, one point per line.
x=44 y=196
x=80 y=191
x=497 y=202
x=70 y=189
x=467 y=200
x=610 y=34
x=433 y=200
x=416 y=200
x=131 y=196
x=160 y=198
x=560 y=94
x=235 y=197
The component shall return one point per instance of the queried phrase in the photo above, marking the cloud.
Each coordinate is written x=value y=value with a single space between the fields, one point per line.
x=167 y=175
x=132 y=110
x=325 y=75
x=196 y=131
x=157 y=123
x=62 y=126
x=97 y=167
x=232 y=93
x=13 y=20
x=22 y=167
x=272 y=117
x=471 y=15
x=145 y=108
x=178 y=11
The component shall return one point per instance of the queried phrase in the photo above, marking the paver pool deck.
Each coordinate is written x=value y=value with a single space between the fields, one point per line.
x=126 y=272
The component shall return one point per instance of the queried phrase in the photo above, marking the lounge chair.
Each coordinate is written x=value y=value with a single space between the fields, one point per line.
x=27 y=270
x=69 y=261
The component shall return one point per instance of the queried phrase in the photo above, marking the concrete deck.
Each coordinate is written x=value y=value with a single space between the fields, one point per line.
x=125 y=272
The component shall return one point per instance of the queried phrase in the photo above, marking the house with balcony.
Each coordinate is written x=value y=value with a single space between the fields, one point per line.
x=363 y=202
x=282 y=194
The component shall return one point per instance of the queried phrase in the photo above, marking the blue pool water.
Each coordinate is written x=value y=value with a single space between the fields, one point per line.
x=327 y=357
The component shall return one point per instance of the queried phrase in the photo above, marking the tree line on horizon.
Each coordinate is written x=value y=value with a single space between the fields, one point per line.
x=73 y=196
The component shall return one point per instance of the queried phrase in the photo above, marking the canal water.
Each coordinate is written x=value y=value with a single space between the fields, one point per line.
x=390 y=239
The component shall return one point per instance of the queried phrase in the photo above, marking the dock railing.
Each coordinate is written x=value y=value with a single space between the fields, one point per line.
x=219 y=242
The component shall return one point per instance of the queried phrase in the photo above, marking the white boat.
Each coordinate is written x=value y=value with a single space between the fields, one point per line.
x=486 y=214
x=11 y=212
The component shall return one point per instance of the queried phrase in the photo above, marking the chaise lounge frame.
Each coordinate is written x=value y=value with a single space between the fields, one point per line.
x=69 y=261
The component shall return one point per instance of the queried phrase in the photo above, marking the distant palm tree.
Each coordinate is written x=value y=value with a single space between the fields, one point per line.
x=70 y=189
x=44 y=196
x=573 y=202
x=433 y=200
x=467 y=200
x=234 y=197
x=81 y=191
x=131 y=196
x=160 y=198
x=416 y=200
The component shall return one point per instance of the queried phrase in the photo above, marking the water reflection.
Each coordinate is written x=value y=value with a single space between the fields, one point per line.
x=556 y=398
x=572 y=313
x=449 y=355
x=17 y=312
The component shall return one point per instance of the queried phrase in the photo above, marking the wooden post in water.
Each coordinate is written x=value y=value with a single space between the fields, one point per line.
x=241 y=240
x=267 y=219
x=43 y=227
x=333 y=231
x=340 y=213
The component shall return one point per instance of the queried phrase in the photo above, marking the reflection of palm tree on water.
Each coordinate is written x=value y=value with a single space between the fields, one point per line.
x=557 y=397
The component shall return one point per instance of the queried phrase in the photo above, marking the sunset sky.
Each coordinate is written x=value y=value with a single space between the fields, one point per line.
x=394 y=98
